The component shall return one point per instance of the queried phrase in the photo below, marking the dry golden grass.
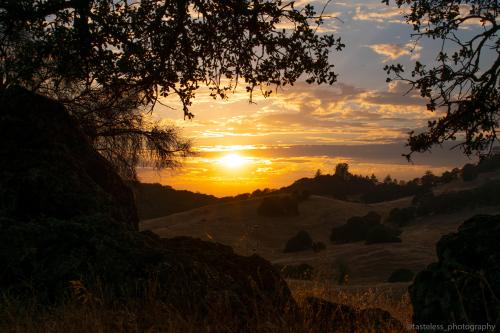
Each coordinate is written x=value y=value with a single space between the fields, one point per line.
x=393 y=298
x=238 y=225
x=86 y=312
x=128 y=317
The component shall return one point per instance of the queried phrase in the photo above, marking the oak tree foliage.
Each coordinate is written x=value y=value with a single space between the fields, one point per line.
x=464 y=81
x=111 y=61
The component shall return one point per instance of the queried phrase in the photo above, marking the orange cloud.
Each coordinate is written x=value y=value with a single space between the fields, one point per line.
x=395 y=51
x=380 y=14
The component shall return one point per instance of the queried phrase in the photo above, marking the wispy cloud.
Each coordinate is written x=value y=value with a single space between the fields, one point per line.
x=380 y=14
x=395 y=51
x=305 y=127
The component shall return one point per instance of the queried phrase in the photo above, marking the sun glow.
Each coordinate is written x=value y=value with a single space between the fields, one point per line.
x=233 y=160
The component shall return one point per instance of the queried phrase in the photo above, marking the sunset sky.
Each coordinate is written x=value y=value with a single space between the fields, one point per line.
x=360 y=120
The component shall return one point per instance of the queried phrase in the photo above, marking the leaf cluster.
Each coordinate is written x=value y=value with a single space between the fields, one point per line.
x=463 y=83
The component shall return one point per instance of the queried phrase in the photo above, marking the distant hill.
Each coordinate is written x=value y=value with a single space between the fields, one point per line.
x=455 y=196
x=358 y=188
x=155 y=200
x=340 y=187
x=369 y=190
x=238 y=224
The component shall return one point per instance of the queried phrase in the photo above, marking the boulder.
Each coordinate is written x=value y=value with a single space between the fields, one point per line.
x=203 y=277
x=66 y=215
x=48 y=167
x=464 y=285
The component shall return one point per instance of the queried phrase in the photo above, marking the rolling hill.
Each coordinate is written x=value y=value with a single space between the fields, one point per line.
x=238 y=225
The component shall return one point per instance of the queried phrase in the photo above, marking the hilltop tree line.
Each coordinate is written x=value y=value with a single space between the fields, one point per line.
x=428 y=203
x=155 y=200
x=347 y=186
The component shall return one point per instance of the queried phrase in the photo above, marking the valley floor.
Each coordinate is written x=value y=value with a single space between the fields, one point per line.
x=238 y=225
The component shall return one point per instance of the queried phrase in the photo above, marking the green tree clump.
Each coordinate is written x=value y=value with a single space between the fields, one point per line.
x=300 y=242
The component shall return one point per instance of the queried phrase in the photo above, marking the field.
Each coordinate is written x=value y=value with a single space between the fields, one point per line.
x=238 y=225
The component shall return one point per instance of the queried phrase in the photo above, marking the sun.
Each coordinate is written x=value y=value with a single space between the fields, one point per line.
x=232 y=160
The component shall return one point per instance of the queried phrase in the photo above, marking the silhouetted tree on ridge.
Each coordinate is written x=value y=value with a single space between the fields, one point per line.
x=342 y=170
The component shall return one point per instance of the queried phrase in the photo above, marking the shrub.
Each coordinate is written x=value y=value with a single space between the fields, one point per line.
x=449 y=176
x=318 y=246
x=299 y=272
x=350 y=232
x=469 y=172
x=356 y=228
x=401 y=216
x=372 y=218
x=342 y=271
x=300 y=242
x=401 y=275
x=421 y=196
x=276 y=206
x=383 y=234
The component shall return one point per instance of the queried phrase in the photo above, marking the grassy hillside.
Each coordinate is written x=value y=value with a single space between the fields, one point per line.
x=238 y=224
x=155 y=200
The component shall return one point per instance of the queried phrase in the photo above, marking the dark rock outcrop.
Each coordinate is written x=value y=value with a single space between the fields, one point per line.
x=326 y=317
x=463 y=287
x=48 y=167
x=206 y=276
x=66 y=215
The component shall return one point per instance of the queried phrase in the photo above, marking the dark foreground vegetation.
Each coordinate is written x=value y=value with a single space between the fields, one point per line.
x=68 y=221
x=467 y=275
x=297 y=272
x=401 y=275
x=73 y=259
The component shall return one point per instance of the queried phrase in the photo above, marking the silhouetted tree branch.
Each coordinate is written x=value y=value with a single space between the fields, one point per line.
x=464 y=82
x=107 y=60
